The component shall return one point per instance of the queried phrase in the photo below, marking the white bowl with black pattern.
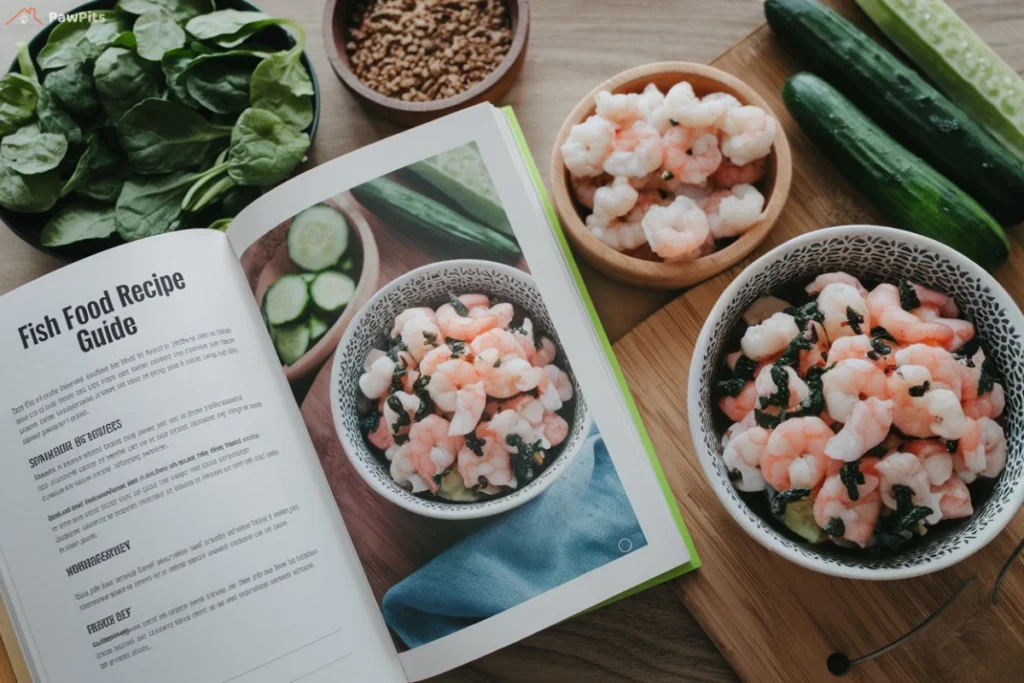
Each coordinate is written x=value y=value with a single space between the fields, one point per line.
x=431 y=285
x=875 y=254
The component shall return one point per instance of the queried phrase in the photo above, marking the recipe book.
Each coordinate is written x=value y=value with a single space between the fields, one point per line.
x=177 y=505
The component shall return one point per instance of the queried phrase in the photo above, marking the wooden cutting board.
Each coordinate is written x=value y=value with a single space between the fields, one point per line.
x=773 y=620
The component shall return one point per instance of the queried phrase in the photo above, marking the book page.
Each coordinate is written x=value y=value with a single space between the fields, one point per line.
x=164 y=517
x=466 y=417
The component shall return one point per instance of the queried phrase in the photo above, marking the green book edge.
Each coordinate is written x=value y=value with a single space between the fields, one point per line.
x=694 y=562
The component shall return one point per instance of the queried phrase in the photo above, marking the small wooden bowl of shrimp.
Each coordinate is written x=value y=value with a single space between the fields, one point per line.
x=669 y=173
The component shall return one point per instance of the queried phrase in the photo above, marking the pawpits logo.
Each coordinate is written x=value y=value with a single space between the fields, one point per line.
x=24 y=16
x=27 y=15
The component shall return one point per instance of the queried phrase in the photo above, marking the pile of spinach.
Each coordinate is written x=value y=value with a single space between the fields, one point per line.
x=166 y=114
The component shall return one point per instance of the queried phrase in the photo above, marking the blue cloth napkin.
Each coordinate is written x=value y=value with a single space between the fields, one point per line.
x=579 y=524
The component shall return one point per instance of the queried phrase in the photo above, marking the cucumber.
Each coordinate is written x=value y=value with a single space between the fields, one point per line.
x=317 y=328
x=903 y=103
x=317 y=238
x=291 y=342
x=286 y=300
x=347 y=265
x=331 y=291
x=308 y=277
x=423 y=219
x=453 y=488
x=912 y=194
x=971 y=74
x=796 y=513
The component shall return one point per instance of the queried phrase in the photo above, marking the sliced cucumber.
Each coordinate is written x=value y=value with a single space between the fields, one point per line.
x=286 y=300
x=291 y=342
x=317 y=328
x=347 y=265
x=331 y=291
x=307 y=277
x=317 y=238
x=453 y=488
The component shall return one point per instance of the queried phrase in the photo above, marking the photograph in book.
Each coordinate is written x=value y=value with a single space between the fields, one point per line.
x=448 y=420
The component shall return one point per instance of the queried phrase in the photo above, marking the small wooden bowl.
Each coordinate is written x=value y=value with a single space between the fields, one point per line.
x=661 y=274
x=337 y=14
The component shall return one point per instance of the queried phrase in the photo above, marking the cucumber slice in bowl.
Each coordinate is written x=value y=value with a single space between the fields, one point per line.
x=317 y=328
x=291 y=342
x=286 y=300
x=331 y=292
x=317 y=238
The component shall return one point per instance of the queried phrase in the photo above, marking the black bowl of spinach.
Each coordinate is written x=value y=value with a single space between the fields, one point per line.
x=154 y=116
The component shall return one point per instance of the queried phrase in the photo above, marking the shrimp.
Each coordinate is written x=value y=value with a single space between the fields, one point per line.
x=794 y=457
x=990 y=404
x=963 y=330
x=410 y=314
x=506 y=377
x=450 y=378
x=736 y=408
x=845 y=310
x=464 y=327
x=954 y=499
x=588 y=146
x=432 y=448
x=544 y=354
x=666 y=114
x=923 y=412
x=403 y=468
x=766 y=387
x=859 y=517
x=381 y=436
x=614 y=200
x=399 y=411
x=732 y=212
x=768 y=338
x=676 y=232
x=376 y=381
x=729 y=174
x=943 y=367
x=862 y=348
x=886 y=311
x=556 y=429
x=937 y=301
x=934 y=457
x=492 y=467
x=504 y=312
x=898 y=468
x=749 y=421
x=849 y=382
x=743 y=455
x=818 y=355
x=469 y=406
x=748 y=134
x=434 y=358
x=691 y=155
x=585 y=187
x=524 y=335
x=503 y=341
x=708 y=111
x=651 y=98
x=555 y=388
x=623 y=109
x=867 y=426
x=826 y=279
x=509 y=423
x=621 y=234
x=636 y=151
x=981 y=451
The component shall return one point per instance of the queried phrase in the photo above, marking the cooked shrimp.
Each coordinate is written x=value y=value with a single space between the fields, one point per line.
x=954 y=499
x=432 y=448
x=428 y=366
x=546 y=351
x=794 y=457
x=867 y=426
x=860 y=347
x=981 y=451
x=614 y=200
x=469 y=406
x=509 y=423
x=556 y=429
x=859 y=517
x=963 y=330
x=935 y=458
x=940 y=303
x=381 y=436
x=729 y=174
x=990 y=404
x=845 y=310
x=732 y=212
x=622 y=109
x=796 y=388
x=464 y=327
x=399 y=411
x=886 y=311
x=555 y=388
x=906 y=469
x=676 y=232
x=503 y=341
x=738 y=407
x=450 y=378
x=708 y=111
x=420 y=336
x=749 y=421
x=743 y=455
x=849 y=382
x=403 y=468
x=376 y=381
x=826 y=279
x=621 y=234
x=818 y=356
x=923 y=412
x=506 y=377
x=943 y=367
x=585 y=187
x=650 y=99
x=766 y=339
x=528 y=407
x=636 y=151
x=492 y=468
x=666 y=114
x=410 y=314
x=588 y=146
x=524 y=335
x=691 y=155
x=748 y=134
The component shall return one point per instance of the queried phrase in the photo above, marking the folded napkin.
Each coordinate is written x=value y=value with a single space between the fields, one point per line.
x=582 y=522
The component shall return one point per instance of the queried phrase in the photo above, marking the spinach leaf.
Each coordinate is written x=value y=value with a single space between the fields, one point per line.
x=238 y=198
x=223 y=224
x=151 y=205
x=30 y=151
x=174 y=63
x=222 y=86
x=18 y=97
x=68 y=44
x=282 y=85
x=159 y=136
x=222 y=24
x=28 y=193
x=206 y=191
x=123 y=79
x=77 y=221
x=73 y=88
x=264 y=149
x=28 y=68
x=53 y=119
x=97 y=157
x=110 y=31
x=156 y=33
x=181 y=10
x=104 y=186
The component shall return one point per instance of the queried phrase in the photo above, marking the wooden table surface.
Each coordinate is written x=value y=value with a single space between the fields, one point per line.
x=573 y=45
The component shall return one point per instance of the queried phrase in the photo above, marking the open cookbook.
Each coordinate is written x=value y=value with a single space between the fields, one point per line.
x=371 y=432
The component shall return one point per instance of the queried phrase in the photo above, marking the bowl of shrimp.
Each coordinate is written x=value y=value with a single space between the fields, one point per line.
x=855 y=402
x=669 y=173
x=451 y=394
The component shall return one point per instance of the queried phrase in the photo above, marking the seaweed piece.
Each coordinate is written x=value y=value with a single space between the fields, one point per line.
x=783 y=498
x=921 y=389
x=403 y=419
x=851 y=476
x=767 y=420
x=791 y=356
x=854 y=320
x=908 y=296
x=523 y=460
x=805 y=314
x=952 y=446
x=989 y=377
x=459 y=307
x=896 y=529
x=744 y=368
x=370 y=422
x=475 y=444
x=882 y=333
x=730 y=387
x=781 y=396
x=835 y=527
x=814 y=404
x=457 y=346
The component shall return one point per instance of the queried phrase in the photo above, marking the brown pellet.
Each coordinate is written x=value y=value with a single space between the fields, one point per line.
x=421 y=50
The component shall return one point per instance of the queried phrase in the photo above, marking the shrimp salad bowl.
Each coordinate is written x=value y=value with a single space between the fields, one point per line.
x=855 y=401
x=451 y=394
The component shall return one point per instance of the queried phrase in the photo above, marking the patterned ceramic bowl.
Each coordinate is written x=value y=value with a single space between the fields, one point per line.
x=874 y=254
x=430 y=286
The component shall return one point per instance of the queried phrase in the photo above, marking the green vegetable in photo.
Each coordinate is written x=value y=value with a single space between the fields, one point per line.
x=264 y=149
x=97 y=158
x=31 y=151
x=181 y=10
x=159 y=136
x=18 y=97
x=156 y=33
x=68 y=44
x=35 y=193
x=123 y=79
x=73 y=88
x=76 y=221
x=151 y=205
